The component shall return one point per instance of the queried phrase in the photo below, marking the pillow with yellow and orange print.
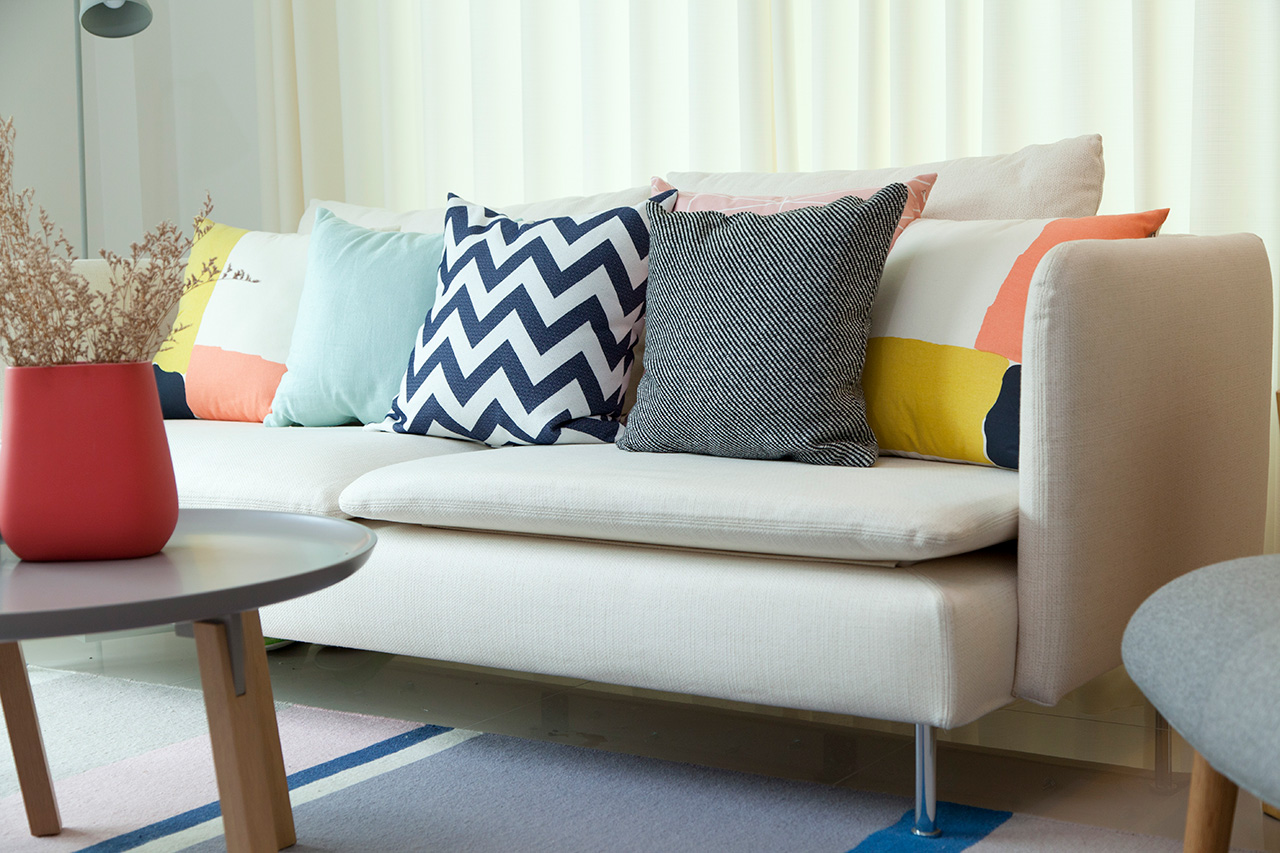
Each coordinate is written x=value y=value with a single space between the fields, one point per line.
x=227 y=352
x=944 y=357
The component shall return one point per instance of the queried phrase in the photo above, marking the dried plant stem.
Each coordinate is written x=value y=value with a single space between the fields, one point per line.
x=49 y=313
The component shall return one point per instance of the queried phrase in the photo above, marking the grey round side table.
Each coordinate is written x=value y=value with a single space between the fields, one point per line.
x=219 y=567
x=1203 y=648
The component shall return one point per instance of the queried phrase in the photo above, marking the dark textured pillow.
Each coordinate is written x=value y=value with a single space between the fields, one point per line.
x=757 y=331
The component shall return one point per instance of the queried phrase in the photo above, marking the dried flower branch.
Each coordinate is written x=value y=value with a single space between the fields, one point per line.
x=49 y=313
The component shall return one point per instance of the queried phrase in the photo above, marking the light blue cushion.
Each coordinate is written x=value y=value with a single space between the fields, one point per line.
x=363 y=299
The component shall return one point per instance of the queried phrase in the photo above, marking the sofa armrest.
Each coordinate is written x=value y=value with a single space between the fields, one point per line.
x=1145 y=427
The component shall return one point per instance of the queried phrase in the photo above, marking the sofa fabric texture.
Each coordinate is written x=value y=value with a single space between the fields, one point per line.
x=742 y=365
x=917 y=194
x=900 y=510
x=1039 y=181
x=431 y=220
x=249 y=466
x=933 y=643
x=1145 y=441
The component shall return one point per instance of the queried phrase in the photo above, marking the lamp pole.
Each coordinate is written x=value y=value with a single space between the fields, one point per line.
x=108 y=19
x=84 y=203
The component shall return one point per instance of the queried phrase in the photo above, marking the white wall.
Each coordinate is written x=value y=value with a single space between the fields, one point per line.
x=169 y=113
x=38 y=90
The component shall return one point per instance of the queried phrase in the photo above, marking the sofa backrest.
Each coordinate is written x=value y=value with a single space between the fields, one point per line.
x=1061 y=179
x=431 y=220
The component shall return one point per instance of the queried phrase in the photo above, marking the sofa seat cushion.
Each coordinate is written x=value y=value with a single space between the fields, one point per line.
x=898 y=511
x=934 y=643
x=236 y=465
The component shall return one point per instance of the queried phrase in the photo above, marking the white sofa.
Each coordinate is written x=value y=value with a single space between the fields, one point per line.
x=917 y=591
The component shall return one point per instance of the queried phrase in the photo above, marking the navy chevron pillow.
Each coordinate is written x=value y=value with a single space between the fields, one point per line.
x=531 y=336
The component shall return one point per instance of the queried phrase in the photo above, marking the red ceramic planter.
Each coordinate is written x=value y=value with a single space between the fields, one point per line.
x=85 y=471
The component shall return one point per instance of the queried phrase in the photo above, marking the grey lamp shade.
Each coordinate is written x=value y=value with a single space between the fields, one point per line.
x=114 y=18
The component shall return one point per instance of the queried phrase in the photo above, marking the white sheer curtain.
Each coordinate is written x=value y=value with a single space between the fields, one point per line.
x=395 y=103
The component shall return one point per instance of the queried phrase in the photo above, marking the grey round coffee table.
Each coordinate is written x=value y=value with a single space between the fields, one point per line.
x=219 y=567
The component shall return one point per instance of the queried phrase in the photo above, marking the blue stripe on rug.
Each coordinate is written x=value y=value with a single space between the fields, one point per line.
x=209 y=811
x=962 y=827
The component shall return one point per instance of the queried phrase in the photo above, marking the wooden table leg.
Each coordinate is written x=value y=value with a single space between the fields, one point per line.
x=259 y=687
x=28 y=746
x=246 y=741
x=1211 y=809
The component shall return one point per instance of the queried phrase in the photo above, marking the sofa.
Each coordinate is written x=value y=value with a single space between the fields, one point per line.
x=915 y=590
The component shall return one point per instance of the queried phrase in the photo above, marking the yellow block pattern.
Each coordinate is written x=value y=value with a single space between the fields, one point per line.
x=931 y=399
x=215 y=245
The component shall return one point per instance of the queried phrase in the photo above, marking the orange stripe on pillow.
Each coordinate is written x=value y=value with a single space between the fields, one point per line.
x=1001 y=330
x=230 y=386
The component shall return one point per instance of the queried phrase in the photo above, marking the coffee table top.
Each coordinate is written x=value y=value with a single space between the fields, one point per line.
x=218 y=562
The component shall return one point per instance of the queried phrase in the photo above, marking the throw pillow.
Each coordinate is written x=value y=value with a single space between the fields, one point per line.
x=364 y=295
x=944 y=361
x=530 y=338
x=917 y=194
x=757 y=330
x=227 y=352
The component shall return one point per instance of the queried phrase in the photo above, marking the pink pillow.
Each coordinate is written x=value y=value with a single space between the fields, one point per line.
x=917 y=194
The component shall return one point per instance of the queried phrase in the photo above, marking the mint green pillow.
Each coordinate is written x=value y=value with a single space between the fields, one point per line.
x=363 y=299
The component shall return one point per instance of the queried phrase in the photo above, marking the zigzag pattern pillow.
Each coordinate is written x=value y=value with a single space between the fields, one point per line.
x=531 y=336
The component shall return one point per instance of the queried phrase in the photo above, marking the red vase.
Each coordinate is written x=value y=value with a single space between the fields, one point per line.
x=85 y=471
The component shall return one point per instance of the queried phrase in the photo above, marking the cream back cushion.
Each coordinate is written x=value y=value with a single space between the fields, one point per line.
x=1061 y=179
x=431 y=220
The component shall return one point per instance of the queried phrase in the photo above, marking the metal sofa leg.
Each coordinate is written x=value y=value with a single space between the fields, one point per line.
x=926 y=782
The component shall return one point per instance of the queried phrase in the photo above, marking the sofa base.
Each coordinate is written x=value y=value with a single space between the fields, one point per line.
x=930 y=644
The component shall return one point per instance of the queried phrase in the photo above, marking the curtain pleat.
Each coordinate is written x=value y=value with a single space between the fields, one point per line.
x=449 y=154
x=362 y=103
x=917 y=81
x=606 y=113
x=315 y=47
x=397 y=102
x=833 y=69
x=872 y=101
x=403 y=125
x=1162 y=73
x=713 y=85
x=963 y=78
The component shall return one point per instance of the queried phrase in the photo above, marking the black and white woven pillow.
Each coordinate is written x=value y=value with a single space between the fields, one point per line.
x=757 y=331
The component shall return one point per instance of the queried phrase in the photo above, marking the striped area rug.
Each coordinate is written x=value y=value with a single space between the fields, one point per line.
x=134 y=772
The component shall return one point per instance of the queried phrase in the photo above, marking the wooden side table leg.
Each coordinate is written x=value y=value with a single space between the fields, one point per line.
x=246 y=741
x=28 y=746
x=258 y=683
x=1210 y=810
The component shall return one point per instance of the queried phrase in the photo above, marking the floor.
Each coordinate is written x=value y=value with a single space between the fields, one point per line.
x=1088 y=759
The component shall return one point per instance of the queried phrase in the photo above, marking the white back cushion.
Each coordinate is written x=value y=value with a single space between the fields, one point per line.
x=1062 y=179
